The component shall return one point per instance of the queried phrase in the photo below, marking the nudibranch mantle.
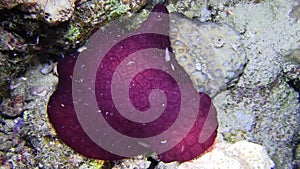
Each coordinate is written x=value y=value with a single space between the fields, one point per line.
x=126 y=95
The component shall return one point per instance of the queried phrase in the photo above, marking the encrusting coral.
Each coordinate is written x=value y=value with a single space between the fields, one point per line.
x=211 y=53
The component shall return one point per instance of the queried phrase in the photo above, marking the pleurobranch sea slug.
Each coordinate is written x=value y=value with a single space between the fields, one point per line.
x=126 y=95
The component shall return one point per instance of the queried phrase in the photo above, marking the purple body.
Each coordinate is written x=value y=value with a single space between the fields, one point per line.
x=169 y=78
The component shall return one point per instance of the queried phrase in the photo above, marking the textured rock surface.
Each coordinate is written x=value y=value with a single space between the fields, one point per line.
x=211 y=53
x=138 y=162
x=24 y=39
x=240 y=155
x=265 y=38
x=274 y=109
x=29 y=140
x=262 y=100
x=262 y=92
x=292 y=75
x=13 y=51
x=11 y=42
x=53 y=11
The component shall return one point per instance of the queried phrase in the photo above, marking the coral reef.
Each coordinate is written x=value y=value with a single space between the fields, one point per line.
x=264 y=100
x=242 y=118
x=263 y=91
x=25 y=40
x=211 y=53
x=204 y=10
x=267 y=92
x=274 y=23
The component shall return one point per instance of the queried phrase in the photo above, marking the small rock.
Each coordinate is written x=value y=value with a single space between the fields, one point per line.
x=39 y=91
x=294 y=56
x=12 y=107
x=52 y=11
x=295 y=13
x=11 y=42
x=47 y=68
x=135 y=4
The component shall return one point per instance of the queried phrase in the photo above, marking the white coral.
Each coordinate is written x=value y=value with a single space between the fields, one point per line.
x=241 y=155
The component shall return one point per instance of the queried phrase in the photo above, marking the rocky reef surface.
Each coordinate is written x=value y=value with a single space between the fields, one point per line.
x=38 y=30
x=211 y=53
x=257 y=101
